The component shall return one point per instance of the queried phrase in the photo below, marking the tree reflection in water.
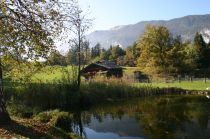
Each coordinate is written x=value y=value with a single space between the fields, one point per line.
x=164 y=117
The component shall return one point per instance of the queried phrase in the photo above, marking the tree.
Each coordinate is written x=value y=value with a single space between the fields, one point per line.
x=27 y=29
x=71 y=57
x=96 y=51
x=56 y=58
x=105 y=54
x=132 y=53
x=116 y=52
x=203 y=52
x=154 y=45
x=85 y=53
x=129 y=58
x=190 y=58
x=79 y=26
x=175 y=57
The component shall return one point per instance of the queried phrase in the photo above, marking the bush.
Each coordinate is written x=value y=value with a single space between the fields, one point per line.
x=64 y=121
x=46 y=117
x=20 y=110
x=58 y=119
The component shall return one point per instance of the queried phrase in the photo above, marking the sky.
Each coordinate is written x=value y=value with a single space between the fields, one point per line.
x=111 y=13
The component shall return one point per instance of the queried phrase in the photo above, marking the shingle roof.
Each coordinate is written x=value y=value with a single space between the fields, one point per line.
x=107 y=64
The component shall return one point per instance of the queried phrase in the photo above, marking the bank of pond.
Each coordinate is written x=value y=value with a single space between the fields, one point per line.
x=114 y=111
x=167 y=116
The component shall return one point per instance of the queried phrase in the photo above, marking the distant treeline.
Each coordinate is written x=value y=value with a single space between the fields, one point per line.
x=156 y=52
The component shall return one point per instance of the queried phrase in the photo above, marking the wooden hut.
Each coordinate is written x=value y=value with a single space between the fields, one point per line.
x=106 y=68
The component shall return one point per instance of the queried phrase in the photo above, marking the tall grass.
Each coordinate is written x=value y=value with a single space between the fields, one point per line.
x=103 y=89
x=26 y=99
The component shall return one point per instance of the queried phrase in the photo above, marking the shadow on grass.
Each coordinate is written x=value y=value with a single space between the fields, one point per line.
x=15 y=129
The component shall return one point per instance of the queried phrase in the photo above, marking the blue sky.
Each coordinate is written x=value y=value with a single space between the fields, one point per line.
x=110 y=13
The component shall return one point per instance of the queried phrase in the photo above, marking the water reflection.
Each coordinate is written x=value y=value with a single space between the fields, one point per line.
x=110 y=135
x=166 y=117
x=118 y=126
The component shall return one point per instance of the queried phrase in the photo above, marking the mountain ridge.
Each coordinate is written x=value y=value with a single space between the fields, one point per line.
x=126 y=35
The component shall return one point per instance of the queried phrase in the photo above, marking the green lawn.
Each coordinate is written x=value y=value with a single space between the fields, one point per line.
x=52 y=73
x=195 y=85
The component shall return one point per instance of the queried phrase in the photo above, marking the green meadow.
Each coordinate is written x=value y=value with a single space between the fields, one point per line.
x=57 y=73
x=195 y=85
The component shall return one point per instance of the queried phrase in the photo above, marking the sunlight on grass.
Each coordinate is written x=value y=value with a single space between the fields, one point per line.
x=195 y=85
x=49 y=73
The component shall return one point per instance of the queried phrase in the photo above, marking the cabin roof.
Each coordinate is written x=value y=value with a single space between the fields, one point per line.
x=101 y=65
x=107 y=64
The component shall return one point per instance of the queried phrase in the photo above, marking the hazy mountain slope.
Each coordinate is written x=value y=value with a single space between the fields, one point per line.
x=125 y=35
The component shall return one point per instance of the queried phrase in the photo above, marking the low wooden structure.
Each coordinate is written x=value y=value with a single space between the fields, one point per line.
x=105 y=68
x=140 y=77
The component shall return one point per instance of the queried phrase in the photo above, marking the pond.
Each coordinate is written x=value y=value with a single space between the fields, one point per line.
x=163 y=117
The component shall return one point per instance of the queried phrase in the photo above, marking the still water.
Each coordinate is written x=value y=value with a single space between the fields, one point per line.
x=165 y=117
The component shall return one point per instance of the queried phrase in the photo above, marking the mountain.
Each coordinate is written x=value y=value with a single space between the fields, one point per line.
x=126 y=35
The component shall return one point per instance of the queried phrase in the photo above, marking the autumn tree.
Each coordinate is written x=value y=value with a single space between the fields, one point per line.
x=154 y=45
x=132 y=53
x=27 y=29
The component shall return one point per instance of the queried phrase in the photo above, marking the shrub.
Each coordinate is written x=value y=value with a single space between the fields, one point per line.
x=56 y=118
x=20 y=110
x=46 y=117
x=64 y=121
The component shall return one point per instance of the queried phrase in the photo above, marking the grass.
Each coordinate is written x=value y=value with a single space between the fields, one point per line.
x=187 y=85
x=195 y=85
x=49 y=73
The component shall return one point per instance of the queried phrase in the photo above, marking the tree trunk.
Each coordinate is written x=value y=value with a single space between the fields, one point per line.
x=79 y=58
x=79 y=68
x=4 y=116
